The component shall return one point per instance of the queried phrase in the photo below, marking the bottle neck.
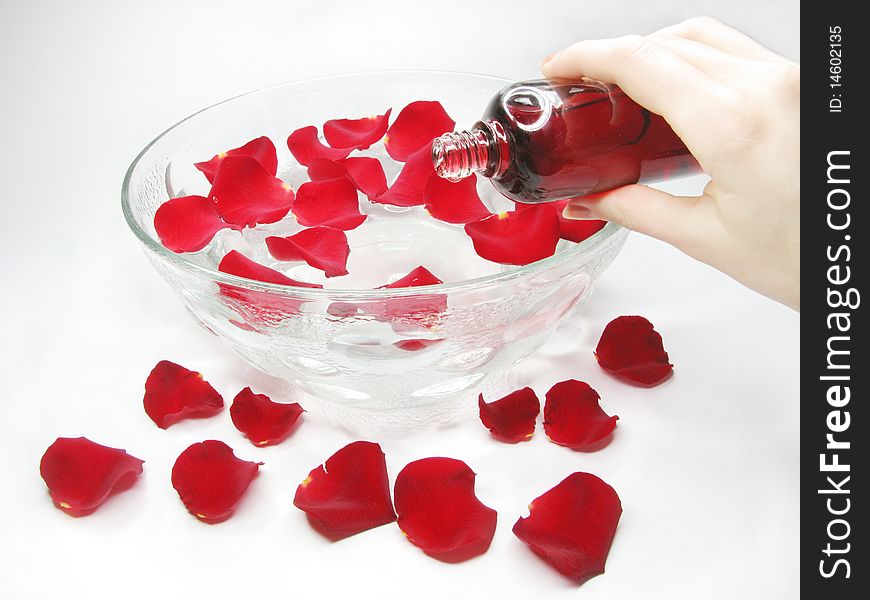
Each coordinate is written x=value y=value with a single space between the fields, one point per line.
x=482 y=149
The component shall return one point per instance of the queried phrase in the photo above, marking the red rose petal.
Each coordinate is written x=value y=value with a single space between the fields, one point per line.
x=260 y=149
x=173 y=393
x=321 y=169
x=416 y=126
x=519 y=237
x=245 y=194
x=243 y=326
x=573 y=418
x=236 y=263
x=420 y=309
x=408 y=329
x=572 y=525
x=260 y=307
x=344 y=310
x=417 y=344
x=331 y=203
x=424 y=309
x=454 y=202
x=356 y=133
x=211 y=481
x=305 y=146
x=416 y=277
x=632 y=350
x=323 y=248
x=439 y=512
x=511 y=418
x=573 y=230
x=410 y=185
x=81 y=474
x=187 y=224
x=262 y=421
x=350 y=493
x=366 y=173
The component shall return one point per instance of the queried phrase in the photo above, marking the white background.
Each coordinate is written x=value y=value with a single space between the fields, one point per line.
x=706 y=465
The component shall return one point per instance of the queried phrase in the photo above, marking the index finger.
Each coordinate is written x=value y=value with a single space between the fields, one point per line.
x=651 y=75
x=716 y=34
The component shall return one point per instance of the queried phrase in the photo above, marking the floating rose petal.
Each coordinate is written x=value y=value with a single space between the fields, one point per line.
x=187 y=224
x=632 y=350
x=408 y=330
x=415 y=345
x=519 y=237
x=512 y=418
x=424 y=309
x=243 y=326
x=454 y=202
x=305 y=146
x=173 y=393
x=81 y=474
x=245 y=194
x=323 y=248
x=260 y=149
x=211 y=481
x=572 y=525
x=573 y=418
x=262 y=421
x=236 y=263
x=331 y=203
x=365 y=172
x=439 y=512
x=416 y=277
x=322 y=169
x=416 y=126
x=409 y=187
x=348 y=494
x=345 y=310
x=357 y=309
x=358 y=134
x=260 y=307
x=575 y=230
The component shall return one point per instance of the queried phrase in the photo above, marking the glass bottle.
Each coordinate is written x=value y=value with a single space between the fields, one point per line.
x=546 y=140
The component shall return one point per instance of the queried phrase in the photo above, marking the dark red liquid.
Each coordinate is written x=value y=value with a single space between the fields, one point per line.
x=569 y=139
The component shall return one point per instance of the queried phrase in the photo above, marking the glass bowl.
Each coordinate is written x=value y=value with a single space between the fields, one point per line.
x=399 y=355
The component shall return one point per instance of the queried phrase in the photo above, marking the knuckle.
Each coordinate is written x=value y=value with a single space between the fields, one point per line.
x=634 y=48
x=740 y=115
x=698 y=24
x=691 y=27
x=786 y=79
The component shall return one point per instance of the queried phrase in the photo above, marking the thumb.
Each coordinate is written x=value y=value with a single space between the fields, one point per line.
x=676 y=220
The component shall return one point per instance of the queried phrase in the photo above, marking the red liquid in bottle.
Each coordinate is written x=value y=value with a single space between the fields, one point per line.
x=542 y=140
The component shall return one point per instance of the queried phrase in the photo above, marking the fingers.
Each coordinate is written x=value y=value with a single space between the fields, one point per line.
x=649 y=73
x=683 y=80
x=677 y=220
x=716 y=34
x=719 y=65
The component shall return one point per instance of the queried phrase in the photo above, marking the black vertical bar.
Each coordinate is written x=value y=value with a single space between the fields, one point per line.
x=834 y=363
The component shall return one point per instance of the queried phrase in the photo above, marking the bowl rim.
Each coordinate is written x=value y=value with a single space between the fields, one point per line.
x=587 y=246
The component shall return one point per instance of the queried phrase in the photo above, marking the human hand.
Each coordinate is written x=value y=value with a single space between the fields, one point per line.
x=736 y=106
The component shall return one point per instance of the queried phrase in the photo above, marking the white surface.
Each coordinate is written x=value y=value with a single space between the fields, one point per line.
x=706 y=465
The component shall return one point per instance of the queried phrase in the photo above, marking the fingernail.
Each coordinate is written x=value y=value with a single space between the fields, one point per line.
x=548 y=58
x=577 y=211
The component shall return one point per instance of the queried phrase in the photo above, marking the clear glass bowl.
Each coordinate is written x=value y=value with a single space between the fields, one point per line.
x=399 y=355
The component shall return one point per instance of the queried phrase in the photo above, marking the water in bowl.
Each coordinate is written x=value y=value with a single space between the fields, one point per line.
x=362 y=363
